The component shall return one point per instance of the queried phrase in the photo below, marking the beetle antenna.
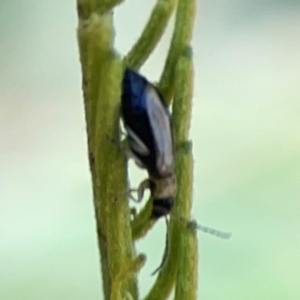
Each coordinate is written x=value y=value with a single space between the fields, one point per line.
x=194 y=225
x=166 y=252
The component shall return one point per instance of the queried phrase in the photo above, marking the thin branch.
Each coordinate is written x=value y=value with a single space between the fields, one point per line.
x=166 y=277
x=152 y=33
x=87 y=7
x=186 y=280
x=181 y=122
x=185 y=14
x=142 y=223
x=111 y=170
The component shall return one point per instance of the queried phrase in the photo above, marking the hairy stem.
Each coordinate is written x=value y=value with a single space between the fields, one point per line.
x=102 y=73
x=86 y=7
x=186 y=280
x=142 y=223
x=185 y=14
x=152 y=33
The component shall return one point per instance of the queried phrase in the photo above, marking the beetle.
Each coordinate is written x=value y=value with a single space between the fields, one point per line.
x=147 y=122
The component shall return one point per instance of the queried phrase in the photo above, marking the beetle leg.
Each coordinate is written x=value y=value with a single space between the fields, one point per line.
x=136 y=143
x=123 y=147
x=142 y=187
x=128 y=193
x=166 y=252
x=145 y=184
x=133 y=212
x=138 y=162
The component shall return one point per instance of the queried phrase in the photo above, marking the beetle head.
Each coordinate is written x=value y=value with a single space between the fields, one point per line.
x=161 y=207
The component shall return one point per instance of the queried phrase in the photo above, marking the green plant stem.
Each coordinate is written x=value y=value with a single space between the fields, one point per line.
x=131 y=268
x=152 y=33
x=186 y=277
x=166 y=278
x=111 y=168
x=86 y=7
x=184 y=174
x=186 y=280
x=181 y=117
x=102 y=73
x=185 y=14
x=142 y=223
x=100 y=34
x=85 y=34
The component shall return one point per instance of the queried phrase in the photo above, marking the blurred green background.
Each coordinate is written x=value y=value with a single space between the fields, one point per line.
x=245 y=132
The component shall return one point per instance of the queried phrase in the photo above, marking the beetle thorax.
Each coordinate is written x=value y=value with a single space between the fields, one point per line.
x=164 y=187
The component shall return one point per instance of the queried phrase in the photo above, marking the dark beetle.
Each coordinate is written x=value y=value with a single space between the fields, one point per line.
x=147 y=122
